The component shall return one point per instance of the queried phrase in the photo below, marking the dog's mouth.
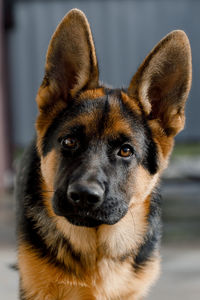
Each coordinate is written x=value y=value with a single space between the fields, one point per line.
x=110 y=212
x=89 y=219
x=83 y=221
x=93 y=219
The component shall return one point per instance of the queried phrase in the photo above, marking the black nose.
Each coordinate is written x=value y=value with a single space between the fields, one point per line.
x=85 y=194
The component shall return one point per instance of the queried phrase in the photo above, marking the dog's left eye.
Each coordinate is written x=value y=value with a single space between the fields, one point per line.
x=69 y=143
x=125 y=151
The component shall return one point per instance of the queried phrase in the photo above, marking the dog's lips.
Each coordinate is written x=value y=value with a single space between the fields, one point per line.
x=110 y=212
x=83 y=221
x=89 y=221
x=93 y=218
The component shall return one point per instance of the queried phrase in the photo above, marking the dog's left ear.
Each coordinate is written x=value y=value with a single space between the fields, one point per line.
x=163 y=81
x=71 y=63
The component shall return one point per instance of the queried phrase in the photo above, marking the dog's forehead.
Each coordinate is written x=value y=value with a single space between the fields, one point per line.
x=104 y=114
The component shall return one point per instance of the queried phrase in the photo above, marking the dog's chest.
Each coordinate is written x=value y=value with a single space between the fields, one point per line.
x=113 y=278
x=112 y=281
x=109 y=280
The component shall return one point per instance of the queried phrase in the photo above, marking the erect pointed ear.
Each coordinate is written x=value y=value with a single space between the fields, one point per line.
x=71 y=63
x=163 y=81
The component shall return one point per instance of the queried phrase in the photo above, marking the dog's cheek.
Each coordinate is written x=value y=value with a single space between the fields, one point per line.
x=49 y=165
x=143 y=185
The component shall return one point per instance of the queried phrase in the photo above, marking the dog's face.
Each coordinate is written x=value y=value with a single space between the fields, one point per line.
x=97 y=146
x=103 y=149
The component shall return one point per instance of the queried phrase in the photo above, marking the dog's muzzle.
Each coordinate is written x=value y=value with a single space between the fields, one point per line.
x=86 y=204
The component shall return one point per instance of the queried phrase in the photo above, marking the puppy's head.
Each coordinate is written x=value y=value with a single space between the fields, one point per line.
x=103 y=149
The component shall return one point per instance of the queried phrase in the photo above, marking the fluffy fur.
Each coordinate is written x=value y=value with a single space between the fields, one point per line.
x=88 y=210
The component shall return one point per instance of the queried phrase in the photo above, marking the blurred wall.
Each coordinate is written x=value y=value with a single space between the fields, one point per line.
x=124 y=32
x=4 y=132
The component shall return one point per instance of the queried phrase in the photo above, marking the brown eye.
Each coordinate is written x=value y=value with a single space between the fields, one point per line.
x=69 y=143
x=125 y=151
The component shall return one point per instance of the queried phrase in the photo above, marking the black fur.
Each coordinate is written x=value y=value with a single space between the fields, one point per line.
x=153 y=235
x=28 y=189
x=29 y=198
x=110 y=171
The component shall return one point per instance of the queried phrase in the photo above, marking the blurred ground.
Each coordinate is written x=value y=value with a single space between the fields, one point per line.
x=180 y=277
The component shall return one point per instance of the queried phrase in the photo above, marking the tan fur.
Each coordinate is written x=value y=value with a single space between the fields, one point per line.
x=103 y=265
x=131 y=102
x=48 y=169
x=42 y=281
x=115 y=123
x=89 y=120
x=143 y=186
x=111 y=241
x=103 y=249
x=44 y=119
x=92 y=94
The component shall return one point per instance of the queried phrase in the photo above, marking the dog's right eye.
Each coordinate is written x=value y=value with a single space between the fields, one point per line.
x=69 y=143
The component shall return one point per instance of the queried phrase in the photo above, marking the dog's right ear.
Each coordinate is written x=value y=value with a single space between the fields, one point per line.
x=71 y=63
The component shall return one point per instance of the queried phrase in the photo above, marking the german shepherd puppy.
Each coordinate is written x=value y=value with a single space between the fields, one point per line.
x=88 y=208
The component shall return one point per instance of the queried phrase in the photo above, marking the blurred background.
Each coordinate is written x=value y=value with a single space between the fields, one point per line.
x=124 y=32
